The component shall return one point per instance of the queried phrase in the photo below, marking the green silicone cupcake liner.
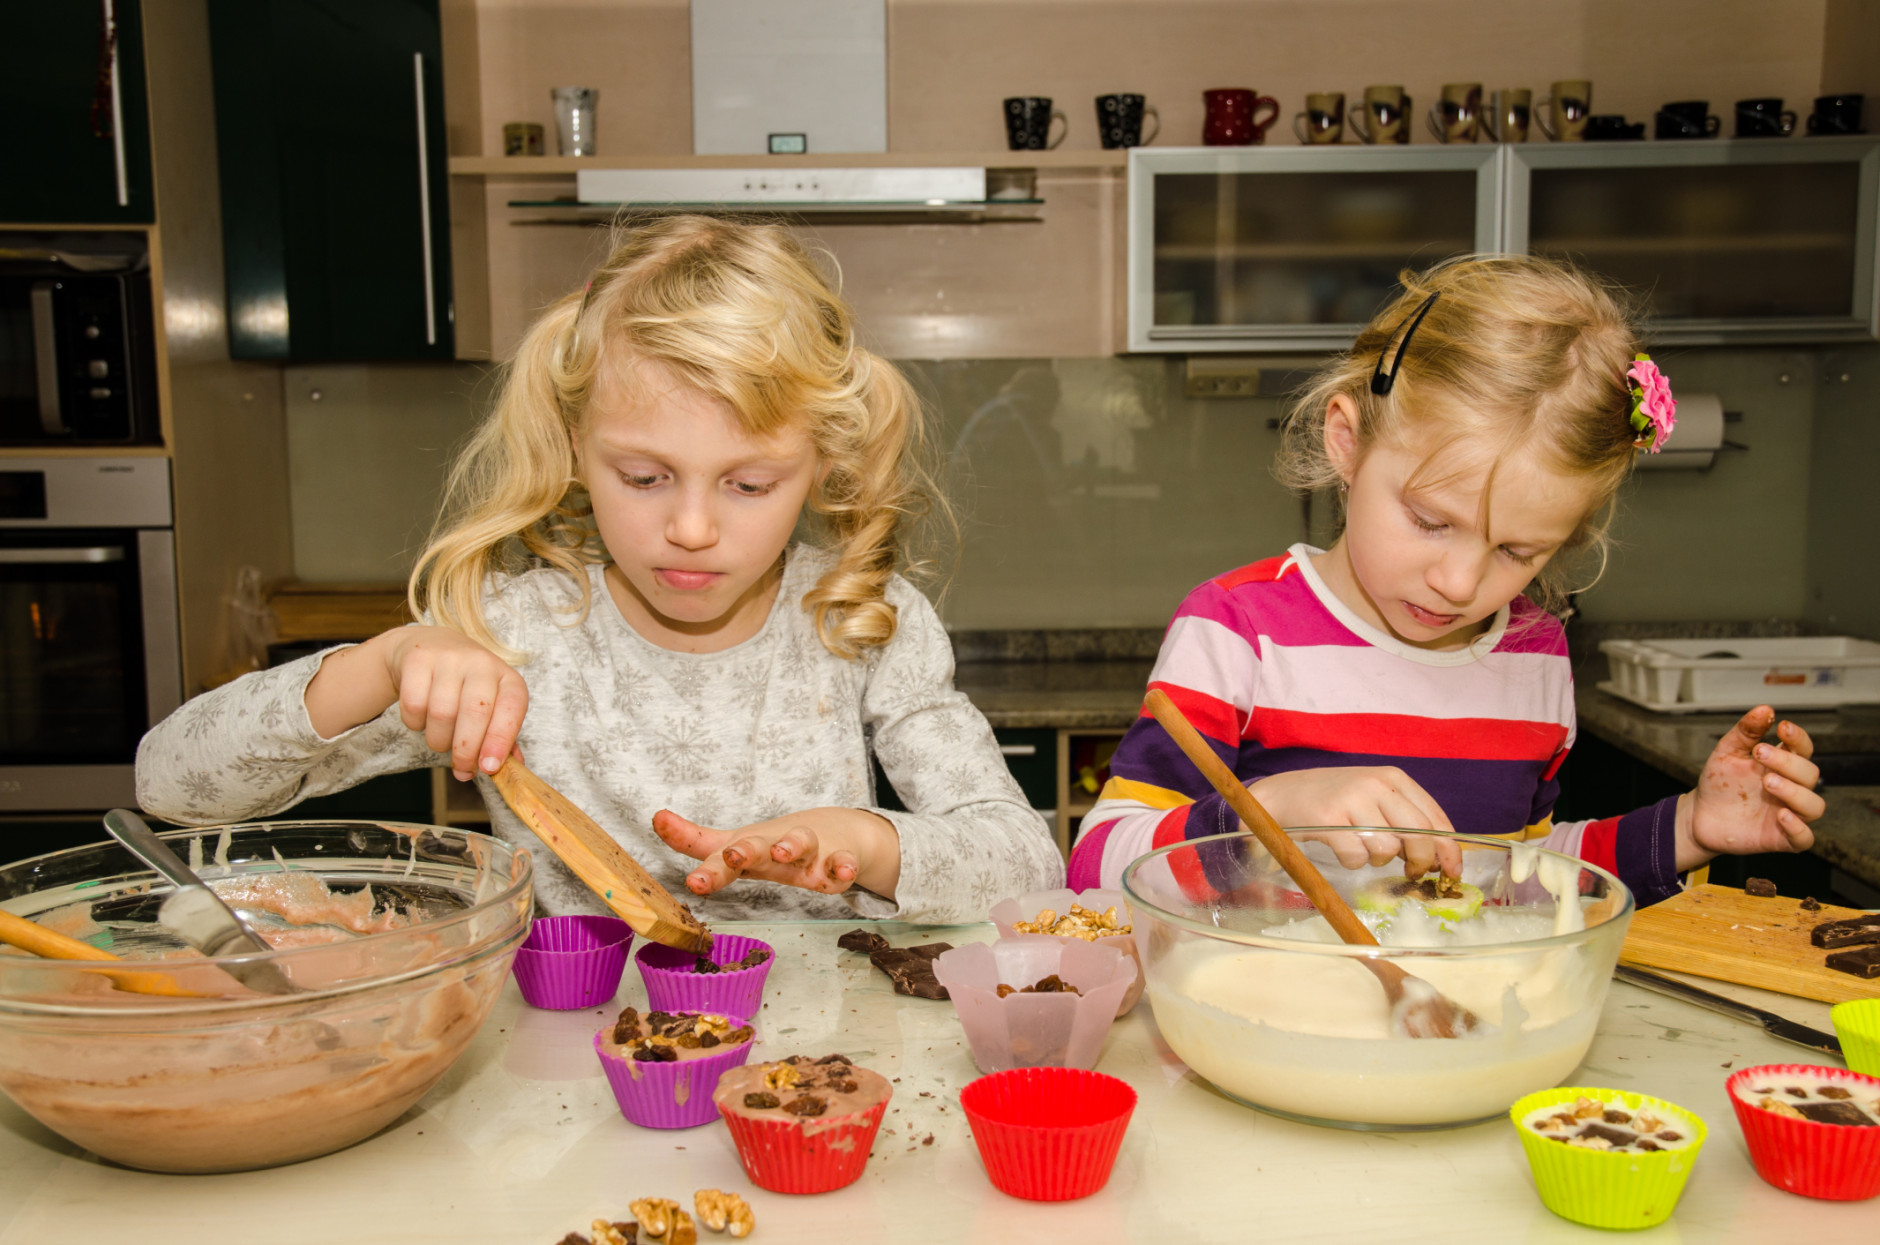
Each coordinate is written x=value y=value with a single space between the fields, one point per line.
x=1604 y=1188
x=1857 y=1024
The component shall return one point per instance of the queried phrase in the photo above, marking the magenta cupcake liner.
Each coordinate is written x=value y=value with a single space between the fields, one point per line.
x=568 y=962
x=669 y=1095
x=672 y=986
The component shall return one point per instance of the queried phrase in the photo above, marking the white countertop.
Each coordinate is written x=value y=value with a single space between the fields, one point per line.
x=522 y=1143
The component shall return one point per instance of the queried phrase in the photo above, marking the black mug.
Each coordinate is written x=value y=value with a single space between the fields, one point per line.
x=1836 y=114
x=1609 y=127
x=1028 y=121
x=1763 y=118
x=1119 y=121
x=1689 y=118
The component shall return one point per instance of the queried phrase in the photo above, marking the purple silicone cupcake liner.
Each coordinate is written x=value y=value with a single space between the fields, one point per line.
x=673 y=986
x=568 y=962
x=669 y=1095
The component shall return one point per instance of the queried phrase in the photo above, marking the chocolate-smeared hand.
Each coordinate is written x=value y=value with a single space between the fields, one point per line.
x=820 y=849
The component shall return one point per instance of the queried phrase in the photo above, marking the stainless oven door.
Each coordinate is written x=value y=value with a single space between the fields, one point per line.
x=87 y=660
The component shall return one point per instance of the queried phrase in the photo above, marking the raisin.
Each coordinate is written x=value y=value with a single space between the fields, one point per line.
x=760 y=1102
x=1005 y=990
x=842 y=1087
x=708 y=1040
x=1646 y=1143
x=808 y=1104
x=629 y=1016
x=743 y=1033
x=1834 y=1091
x=1667 y=1134
x=624 y=1033
x=1616 y=1117
x=1796 y=1091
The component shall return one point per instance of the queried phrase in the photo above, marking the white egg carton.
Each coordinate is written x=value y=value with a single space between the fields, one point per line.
x=1715 y=675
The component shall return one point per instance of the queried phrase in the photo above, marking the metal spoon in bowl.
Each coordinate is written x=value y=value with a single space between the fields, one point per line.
x=195 y=913
x=1417 y=1008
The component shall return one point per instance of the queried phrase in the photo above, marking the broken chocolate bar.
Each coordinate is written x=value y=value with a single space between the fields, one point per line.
x=863 y=941
x=1760 y=887
x=1861 y=962
x=1835 y=1113
x=911 y=968
x=1849 y=933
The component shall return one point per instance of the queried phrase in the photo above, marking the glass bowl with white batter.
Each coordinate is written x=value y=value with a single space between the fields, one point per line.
x=399 y=938
x=1254 y=991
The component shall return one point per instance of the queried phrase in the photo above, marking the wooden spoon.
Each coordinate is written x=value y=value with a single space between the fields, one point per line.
x=27 y=935
x=594 y=857
x=1416 y=1007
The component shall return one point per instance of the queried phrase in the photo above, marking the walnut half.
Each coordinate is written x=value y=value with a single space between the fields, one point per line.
x=721 y=1211
x=663 y=1222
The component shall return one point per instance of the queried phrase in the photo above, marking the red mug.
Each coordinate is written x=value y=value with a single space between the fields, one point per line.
x=1230 y=117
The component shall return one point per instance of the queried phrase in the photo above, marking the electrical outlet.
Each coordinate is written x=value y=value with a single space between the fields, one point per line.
x=1218 y=376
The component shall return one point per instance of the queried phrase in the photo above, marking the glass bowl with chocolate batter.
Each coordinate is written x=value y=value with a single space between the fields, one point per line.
x=396 y=937
x=1256 y=993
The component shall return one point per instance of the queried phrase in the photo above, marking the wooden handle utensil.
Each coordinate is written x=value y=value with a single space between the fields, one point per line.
x=30 y=936
x=594 y=857
x=1416 y=1006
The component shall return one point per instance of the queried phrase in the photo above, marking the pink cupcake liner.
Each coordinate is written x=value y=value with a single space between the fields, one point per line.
x=804 y=1156
x=568 y=962
x=672 y=986
x=1834 y=1162
x=1009 y=912
x=1035 y=1030
x=1048 y=1134
x=668 y=1095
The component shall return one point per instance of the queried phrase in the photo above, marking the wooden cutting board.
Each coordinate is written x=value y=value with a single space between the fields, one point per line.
x=1721 y=933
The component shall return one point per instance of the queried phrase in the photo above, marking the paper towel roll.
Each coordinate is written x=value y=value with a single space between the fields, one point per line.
x=1694 y=443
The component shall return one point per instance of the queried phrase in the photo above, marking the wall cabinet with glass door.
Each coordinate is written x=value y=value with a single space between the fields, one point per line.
x=1250 y=249
x=1747 y=240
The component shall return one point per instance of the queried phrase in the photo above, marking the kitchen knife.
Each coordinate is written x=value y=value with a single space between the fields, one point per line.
x=1772 y=1024
x=195 y=913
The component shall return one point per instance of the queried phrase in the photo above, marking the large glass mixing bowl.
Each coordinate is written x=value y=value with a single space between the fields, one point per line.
x=1256 y=994
x=399 y=937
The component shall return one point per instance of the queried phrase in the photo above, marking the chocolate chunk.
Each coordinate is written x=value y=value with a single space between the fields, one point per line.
x=834 y=1059
x=708 y=1040
x=842 y=1087
x=751 y=959
x=574 y=1238
x=911 y=968
x=1833 y=1091
x=1861 y=962
x=808 y=1104
x=1646 y=1143
x=1617 y=1136
x=863 y=941
x=1835 y=1113
x=1811 y=904
x=1849 y=933
x=704 y=964
x=760 y=1102
x=1762 y=888
x=658 y=1020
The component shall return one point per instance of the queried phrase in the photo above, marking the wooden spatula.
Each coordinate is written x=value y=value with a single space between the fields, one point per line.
x=27 y=935
x=1417 y=1008
x=594 y=857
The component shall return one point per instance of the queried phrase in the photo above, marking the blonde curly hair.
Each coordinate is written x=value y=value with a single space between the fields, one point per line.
x=742 y=312
x=1518 y=353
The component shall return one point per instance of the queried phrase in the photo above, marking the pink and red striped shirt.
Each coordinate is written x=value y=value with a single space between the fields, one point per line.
x=1278 y=674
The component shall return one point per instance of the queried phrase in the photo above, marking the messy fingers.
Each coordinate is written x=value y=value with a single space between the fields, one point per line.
x=473 y=718
x=1803 y=801
x=1800 y=837
x=1795 y=739
x=798 y=846
x=512 y=704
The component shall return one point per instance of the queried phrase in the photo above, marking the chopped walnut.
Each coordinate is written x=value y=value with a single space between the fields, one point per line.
x=616 y=1233
x=664 y=1222
x=1590 y=1143
x=1780 y=1108
x=1080 y=922
x=721 y=1212
x=783 y=1076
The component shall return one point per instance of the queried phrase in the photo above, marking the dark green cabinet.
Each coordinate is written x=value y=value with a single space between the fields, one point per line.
x=331 y=147
x=75 y=137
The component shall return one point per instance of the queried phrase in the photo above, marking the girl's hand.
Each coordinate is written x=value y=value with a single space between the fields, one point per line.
x=1352 y=795
x=467 y=701
x=1752 y=797
x=822 y=849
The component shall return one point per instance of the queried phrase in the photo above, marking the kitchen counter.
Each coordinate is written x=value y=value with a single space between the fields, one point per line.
x=522 y=1143
x=1064 y=695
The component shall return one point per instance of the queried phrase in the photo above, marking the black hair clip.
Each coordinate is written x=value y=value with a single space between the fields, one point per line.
x=1380 y=382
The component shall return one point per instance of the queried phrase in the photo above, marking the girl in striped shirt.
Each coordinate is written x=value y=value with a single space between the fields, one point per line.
x=1412 y=676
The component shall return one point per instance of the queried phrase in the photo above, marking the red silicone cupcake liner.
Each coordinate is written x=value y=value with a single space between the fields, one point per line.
x=1835 y=1162
x=672 y=986
x=804 y=1156
x=568 y=962
x=1048 y=1134
x=669 y=1095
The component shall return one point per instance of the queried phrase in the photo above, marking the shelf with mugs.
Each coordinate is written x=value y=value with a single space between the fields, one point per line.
x=568 y=166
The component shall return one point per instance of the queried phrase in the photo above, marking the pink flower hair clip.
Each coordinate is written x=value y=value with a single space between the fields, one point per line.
x=1654 y=411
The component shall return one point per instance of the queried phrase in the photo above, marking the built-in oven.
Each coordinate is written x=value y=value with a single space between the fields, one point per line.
x=77 y=356
x=90 y=655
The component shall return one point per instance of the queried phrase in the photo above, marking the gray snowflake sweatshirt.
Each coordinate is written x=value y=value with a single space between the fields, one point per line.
x=774 y=725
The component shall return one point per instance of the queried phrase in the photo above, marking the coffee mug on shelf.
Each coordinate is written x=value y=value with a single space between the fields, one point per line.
x=1509 y=112
x=1323 y=121
x=1566 y=106
x=1231 y=119
x=1119 y=121
x=574 y=119
x=1384 y=117
x=1836 y=114
x=523 y=138
x=1457 y=115
x=1689 y=118
x=1763 y=118
x=1612 y=128
x=1028 y=121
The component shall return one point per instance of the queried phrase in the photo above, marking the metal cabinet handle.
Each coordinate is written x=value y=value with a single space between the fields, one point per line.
x=94 y=554
x=424 y=203
x=46 y=358
x=117 y=105
x=1018 y=750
